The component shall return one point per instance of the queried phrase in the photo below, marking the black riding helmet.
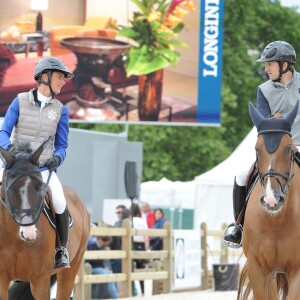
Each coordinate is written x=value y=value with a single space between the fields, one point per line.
x=279 y=51
x=48 y=65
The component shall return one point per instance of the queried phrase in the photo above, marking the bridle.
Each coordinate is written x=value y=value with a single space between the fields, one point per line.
x=274 y=173
x=9 y=183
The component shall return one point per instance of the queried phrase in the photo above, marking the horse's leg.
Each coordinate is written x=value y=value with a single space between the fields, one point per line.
x=40 y=288
x=294 y=287
x=4 y=284
x=66 y=278
x=263 y=285
x=65 y=283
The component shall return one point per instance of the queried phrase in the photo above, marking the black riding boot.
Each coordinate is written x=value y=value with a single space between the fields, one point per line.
x=234 y=239
x=61 y=253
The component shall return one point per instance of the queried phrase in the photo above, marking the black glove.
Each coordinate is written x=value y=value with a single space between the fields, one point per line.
x=52 y=163
x=12 y=150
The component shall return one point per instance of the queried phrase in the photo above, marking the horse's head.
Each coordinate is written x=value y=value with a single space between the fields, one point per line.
x=275 y=152
x=24 y=189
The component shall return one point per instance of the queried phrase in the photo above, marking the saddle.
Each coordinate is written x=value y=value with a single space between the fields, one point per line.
x=49 y=212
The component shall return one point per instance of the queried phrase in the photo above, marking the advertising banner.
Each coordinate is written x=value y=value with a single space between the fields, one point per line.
x=187 y=259
x=101 y=91
x=210 y=62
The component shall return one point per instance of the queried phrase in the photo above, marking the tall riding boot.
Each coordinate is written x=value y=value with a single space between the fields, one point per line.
x=61 y=253
x=234 y=239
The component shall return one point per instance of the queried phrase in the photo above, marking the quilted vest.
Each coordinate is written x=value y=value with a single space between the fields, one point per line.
x=35 y=124
x=281 y=99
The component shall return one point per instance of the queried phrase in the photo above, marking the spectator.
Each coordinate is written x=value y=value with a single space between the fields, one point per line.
x=140 y=243
x=119 y=210
x=116 y=244
x=148 y=214
x=156 y=243
x=101 y=267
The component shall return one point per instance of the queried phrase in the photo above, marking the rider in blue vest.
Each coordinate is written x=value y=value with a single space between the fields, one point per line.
x=277 y=95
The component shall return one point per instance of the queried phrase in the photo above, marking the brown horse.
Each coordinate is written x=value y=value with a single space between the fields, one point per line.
x=27 y=239
x=271 y=239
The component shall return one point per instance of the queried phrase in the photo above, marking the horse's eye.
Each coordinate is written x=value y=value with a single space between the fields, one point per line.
x=257 y=151
x=288 y=149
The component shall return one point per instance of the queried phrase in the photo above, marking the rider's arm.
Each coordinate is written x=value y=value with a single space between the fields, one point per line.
x=11 y=118
x=262 y=104
x=61 y=137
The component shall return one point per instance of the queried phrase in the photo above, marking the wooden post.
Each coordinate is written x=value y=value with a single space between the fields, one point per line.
x=88 y=287
x=204 y=267
x=224 y=248
x=127 y=262
x=167 y=263
x=80 y=288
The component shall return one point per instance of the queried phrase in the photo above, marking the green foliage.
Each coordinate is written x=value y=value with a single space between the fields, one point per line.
x=181 y=153
x=153 y=36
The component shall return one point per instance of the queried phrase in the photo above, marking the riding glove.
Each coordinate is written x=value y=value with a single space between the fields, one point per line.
x=53 y=162
x=12 y=150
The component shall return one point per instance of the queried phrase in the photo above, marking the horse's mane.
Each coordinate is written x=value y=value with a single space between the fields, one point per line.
x=24 y=146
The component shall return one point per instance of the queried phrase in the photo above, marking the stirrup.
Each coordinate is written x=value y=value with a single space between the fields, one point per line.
x=232 y=244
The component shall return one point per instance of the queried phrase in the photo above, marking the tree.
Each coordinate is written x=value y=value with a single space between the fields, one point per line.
x=181 y=152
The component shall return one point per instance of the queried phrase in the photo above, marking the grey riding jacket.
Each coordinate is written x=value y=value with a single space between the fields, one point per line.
x=36 y=124
x=273 y=97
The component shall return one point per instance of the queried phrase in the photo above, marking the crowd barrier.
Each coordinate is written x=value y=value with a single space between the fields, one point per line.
x=161 y=268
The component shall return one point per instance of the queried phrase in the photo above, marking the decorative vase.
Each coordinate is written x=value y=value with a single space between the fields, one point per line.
x=150 y=93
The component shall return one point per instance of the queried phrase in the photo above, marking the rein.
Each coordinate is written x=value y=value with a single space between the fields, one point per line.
x=274 y=173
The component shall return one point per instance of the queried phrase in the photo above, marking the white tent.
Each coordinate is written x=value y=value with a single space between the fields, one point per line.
x=168 y=194
x=210 y=194
x=213 y=193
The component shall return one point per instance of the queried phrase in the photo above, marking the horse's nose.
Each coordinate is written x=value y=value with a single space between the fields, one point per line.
x=272 y=204
x=28 y=233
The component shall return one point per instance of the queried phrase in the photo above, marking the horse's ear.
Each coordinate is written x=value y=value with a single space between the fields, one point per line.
x=34 y=157
x=6 y=157
x=256 y=117
x=291 y=115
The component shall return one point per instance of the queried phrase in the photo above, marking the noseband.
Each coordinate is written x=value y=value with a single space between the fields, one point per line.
x=274 y=173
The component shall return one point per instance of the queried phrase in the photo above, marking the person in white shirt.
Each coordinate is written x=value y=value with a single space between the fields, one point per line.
x=140 y=242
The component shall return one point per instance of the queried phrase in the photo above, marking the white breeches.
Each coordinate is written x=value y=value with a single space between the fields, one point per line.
x=243 y=172
x=58 y=197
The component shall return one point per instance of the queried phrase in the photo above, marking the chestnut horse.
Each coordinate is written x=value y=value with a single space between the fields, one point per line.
x=27 y=239
x=271 y=238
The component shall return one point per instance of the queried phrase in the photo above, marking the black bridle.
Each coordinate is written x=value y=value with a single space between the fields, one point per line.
x=14 y=212
x=274 y=173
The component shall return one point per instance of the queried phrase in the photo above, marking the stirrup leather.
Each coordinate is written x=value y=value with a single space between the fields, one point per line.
x=232 y=244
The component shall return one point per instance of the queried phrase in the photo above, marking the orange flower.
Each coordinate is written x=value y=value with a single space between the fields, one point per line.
x=179 y=12
x=166 y=29
x=172 y=21
x=189 y=5
x=173 y=5
x=154 y=16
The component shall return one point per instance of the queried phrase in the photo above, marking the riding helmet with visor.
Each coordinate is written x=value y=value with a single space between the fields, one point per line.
x=281 y=52
x=48 y=65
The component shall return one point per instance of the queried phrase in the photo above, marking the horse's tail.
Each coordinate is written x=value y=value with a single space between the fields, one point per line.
x=282 y=285
x=21 y=290
x=244 y=289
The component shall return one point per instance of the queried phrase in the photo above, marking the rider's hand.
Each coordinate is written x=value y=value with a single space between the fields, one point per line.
x=12 y=150
x=52 y=163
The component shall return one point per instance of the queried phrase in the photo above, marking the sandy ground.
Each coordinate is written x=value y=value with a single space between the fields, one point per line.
x=203 y=295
